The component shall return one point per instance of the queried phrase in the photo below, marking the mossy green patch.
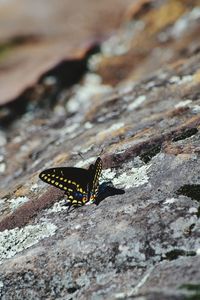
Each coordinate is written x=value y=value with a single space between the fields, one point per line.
x=198 y=213
x=188 y=132
x=4 y=50
x=194 y=289
x=147 y=155
x=190 y=190
x=10 y=45
x=174 y=254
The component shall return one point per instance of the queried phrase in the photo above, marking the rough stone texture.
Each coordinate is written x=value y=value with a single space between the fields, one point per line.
x=144 y=244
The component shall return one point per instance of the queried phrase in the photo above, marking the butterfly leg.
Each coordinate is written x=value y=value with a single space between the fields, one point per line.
x=68 y=204
x=73 y=208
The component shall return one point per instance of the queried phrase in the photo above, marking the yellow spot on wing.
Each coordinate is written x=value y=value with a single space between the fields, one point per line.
x=60 y=185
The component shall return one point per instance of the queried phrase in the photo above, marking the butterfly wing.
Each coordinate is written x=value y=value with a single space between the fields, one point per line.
x=95 y=171
x=73 y=181
x=80 y=185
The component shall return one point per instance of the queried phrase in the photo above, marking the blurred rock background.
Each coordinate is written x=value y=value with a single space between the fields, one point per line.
x=78 y=77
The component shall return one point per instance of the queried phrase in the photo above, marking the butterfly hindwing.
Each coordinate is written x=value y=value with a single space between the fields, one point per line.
x=76 y=198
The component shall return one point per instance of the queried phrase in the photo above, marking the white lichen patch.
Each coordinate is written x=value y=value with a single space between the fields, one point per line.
x=2 y=167
x=149 y=85
x=70 y=129
x=198 y=251
x=16 y=240
x=94 y=61
x=126 y=89
x=182 y=24
x=83 y=163
x=120 y=151
x=137 y=102
x=183 y=103
x=115 y=45
x=80 y=149
x=92 y=86
x=59 y=111
x=88 y=125
x=16 y=202
x=34 y=187
x=57 y=207
x=170 y=201
x=17 y=139
x=112 y=128
x=85 y=150
x=77 y=226
x=181 y=80
x=115 y=126
x=196 y=109
x=133 y=178
x=2 y=164
x=189 y=103
x=193 y=210
x=120 y=44
x=108 y=174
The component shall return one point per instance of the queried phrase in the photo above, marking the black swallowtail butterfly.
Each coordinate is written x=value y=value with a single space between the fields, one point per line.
x=80 y=185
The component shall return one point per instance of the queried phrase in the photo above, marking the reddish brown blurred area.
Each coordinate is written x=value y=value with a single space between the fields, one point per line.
x=35 y=35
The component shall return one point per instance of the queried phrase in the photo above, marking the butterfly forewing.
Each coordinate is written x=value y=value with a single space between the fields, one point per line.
x=66 y=179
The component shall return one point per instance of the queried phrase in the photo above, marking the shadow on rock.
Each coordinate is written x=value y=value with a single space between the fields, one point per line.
x=107 y=189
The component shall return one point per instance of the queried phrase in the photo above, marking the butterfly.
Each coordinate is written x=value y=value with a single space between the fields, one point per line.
x=80 y=185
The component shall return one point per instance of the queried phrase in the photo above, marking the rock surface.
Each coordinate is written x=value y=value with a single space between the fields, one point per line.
x=138 y=106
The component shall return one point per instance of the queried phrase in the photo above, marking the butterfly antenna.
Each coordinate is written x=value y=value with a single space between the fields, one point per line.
x=101 y=152
x=79 y=153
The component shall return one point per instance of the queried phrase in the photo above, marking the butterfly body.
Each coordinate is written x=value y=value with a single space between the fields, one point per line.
x=80 y=185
